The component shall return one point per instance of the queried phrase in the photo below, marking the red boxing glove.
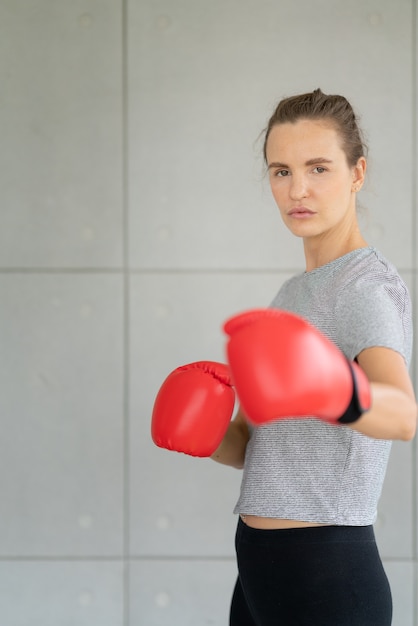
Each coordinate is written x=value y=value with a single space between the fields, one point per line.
x=193 y=408
x=282 y=367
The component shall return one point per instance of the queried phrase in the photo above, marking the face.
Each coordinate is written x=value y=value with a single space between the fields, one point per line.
x=311 y=181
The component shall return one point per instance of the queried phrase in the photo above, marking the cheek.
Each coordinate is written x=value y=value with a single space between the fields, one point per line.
x=277 y=192
x=280 y=203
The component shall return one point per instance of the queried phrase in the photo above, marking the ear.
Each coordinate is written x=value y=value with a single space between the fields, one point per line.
x=359 y=173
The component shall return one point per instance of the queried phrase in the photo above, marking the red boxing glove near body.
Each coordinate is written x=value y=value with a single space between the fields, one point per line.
x=193 y=408
x=282 y=366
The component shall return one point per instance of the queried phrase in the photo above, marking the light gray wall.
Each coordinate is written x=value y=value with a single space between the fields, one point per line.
x=134 y=219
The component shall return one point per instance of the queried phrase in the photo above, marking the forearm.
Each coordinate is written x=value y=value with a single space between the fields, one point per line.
x=393 y=414
x=231 y=451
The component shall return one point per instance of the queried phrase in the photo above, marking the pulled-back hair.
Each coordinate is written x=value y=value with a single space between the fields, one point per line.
x=334 y=110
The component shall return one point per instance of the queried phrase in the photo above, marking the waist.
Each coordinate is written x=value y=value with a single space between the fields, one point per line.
x=325 y=533
x=273 y=523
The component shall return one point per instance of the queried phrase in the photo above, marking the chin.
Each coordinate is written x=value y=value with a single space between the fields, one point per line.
x=302 y=230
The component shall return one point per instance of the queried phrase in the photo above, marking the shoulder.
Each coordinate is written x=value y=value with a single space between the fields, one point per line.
x=374 y=306
x=374 y=283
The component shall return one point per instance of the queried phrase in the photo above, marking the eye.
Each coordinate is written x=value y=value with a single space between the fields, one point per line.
x=319 y=170
x=281 y=173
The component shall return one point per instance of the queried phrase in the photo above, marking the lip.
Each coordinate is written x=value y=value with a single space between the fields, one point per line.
x=300 y=212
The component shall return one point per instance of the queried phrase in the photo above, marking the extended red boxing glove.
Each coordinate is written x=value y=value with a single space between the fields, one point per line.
x=282 y=367
x=193 y=408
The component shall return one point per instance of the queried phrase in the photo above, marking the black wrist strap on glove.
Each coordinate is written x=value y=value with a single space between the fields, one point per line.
x=354 y=409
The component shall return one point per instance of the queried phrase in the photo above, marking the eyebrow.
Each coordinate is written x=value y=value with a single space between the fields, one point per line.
x=315 y=161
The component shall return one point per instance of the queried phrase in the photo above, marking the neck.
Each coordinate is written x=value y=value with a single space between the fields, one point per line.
x=330 y=246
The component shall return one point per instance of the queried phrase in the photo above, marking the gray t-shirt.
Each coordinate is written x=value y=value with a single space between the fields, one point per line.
x=306 y=469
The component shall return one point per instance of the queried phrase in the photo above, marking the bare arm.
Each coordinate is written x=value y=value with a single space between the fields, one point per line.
x=393 y=414
x=231 y=451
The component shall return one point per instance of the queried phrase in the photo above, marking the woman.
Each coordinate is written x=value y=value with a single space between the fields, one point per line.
x=305 y=545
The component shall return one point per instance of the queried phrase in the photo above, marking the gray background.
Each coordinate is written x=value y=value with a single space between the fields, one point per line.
x=134 y=219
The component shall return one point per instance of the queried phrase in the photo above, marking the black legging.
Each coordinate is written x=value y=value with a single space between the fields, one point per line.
x=316 y=576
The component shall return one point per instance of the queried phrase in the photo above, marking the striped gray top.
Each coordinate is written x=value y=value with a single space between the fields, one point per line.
x=306 y=469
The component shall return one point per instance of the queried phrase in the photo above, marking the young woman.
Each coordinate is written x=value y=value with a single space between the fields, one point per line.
x=305 y=545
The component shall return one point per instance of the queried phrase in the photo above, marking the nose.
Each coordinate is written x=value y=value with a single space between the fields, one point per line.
x=298 y=187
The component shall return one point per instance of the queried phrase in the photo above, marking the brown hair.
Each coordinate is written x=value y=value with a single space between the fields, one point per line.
x=316 y=105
